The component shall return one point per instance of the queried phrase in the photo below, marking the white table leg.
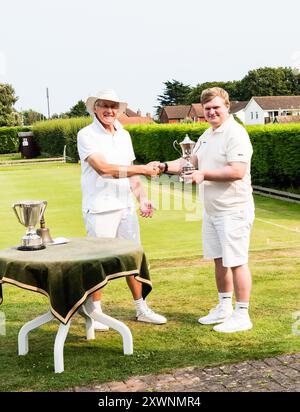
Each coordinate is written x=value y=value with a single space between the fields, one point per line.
x=29 y=326
x=59 y=347
x=114 y=324
x=89 y=314
x=89 y=324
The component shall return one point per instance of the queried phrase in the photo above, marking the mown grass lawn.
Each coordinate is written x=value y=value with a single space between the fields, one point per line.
x=183 y=289
x=10 y=156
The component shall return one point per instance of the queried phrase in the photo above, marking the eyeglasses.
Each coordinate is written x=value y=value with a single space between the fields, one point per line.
x=107 y=105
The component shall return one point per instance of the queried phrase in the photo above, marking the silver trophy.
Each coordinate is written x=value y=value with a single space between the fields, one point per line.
x=187 y=146
x=29 y=213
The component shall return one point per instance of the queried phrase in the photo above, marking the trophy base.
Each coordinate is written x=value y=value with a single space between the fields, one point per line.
x=187 y=168
x=31 y=248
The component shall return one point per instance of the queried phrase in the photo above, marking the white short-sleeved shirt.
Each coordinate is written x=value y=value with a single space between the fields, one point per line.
x=214 y=150
x=103 y=194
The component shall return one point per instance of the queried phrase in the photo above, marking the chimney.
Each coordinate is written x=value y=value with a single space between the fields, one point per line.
x=139 y=113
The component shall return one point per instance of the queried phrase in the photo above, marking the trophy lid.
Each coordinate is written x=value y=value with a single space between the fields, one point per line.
x=187 y=142
x=187 y=139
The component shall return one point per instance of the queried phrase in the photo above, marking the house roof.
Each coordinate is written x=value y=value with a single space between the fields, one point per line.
x=124 y=119
x=236 y=106
x=287 y=119
x=177 y=112
x=198 y=109
x=278 y=102
x=130 y=113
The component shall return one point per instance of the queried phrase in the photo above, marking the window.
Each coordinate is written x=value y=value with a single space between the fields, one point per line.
x=256 y=115
x=251 y=115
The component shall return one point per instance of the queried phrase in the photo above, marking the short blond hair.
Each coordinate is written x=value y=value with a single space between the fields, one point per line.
x=208 y=94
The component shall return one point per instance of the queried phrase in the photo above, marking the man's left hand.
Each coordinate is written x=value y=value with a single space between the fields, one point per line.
x=195 y=176
x=146 y=208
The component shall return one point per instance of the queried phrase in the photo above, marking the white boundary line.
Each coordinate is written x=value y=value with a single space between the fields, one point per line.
x=297 y=230
x=157 y=188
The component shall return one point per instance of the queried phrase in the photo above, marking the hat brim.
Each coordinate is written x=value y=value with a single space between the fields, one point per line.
x=90 y=104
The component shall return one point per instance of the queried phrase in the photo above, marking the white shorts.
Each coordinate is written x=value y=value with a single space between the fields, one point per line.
x=116 y=224
x=228 y=237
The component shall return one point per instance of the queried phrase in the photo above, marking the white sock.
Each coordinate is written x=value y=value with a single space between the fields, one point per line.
x=225 y=298
x=140 y=305
x=242 y=307
x=97 y=305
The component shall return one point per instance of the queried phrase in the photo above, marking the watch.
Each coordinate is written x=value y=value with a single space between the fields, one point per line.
x=166 y=167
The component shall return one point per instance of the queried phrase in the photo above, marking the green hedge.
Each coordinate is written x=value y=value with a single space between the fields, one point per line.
x=275 y=162
x=9 y=141
x=276 y=155
x=155 y=142
x=52 y=135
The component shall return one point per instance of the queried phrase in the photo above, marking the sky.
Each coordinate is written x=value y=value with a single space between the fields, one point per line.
x=78 y=47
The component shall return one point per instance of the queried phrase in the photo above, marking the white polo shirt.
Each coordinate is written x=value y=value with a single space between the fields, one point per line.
x=103 y=194
x=215 y=149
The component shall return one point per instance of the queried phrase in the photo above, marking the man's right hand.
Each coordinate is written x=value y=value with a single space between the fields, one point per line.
x=152 y=169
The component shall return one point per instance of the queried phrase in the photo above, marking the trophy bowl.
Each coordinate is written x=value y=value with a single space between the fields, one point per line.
x=187 y=146
x=29 y=213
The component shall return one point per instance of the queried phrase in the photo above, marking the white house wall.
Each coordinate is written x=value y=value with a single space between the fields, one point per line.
x=241 y=115
x=254 y=114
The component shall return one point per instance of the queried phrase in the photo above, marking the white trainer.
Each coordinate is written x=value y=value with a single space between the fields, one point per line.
x=236 y=323
x=147 y=315
x=217 y=315
x=100 y=326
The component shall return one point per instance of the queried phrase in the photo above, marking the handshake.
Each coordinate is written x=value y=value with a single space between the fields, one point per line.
x=187 y=174
x=154 y=168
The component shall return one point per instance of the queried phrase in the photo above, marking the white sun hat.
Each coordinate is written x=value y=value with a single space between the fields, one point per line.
x=106 y=94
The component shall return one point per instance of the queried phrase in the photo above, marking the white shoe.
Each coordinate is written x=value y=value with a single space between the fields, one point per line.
x=100 y=326
x=217 y=315
x=147 y=315
x=236 y=323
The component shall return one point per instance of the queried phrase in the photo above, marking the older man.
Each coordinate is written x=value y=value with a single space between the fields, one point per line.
x=222 y=156
x=108 y=180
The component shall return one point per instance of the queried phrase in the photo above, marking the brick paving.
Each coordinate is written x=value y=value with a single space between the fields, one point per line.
x=279 y=374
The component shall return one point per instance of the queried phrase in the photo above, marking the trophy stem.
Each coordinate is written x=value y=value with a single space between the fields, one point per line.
x=30 y=230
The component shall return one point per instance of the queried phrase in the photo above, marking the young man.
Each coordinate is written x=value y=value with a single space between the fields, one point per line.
x=222 y=156
x=108 y=180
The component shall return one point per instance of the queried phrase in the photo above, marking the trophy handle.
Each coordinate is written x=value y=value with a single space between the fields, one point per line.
x=43 y=209
x=174 y=145
x=16 y=213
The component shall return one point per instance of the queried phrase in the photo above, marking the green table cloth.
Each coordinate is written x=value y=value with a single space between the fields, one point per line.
x=68 y=273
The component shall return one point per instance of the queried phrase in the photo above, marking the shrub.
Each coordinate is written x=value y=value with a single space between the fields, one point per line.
x=9 y=141
x=155 y=142
x=276 y=148
x=276 y=155
x=53 y=135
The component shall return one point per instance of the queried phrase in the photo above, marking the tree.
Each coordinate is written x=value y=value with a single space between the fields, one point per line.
x=31 y=116
x=231 y=87
x=175 y=93
x=270 y=81
x=7 y=100
x=265 y=81
x=79 y=110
